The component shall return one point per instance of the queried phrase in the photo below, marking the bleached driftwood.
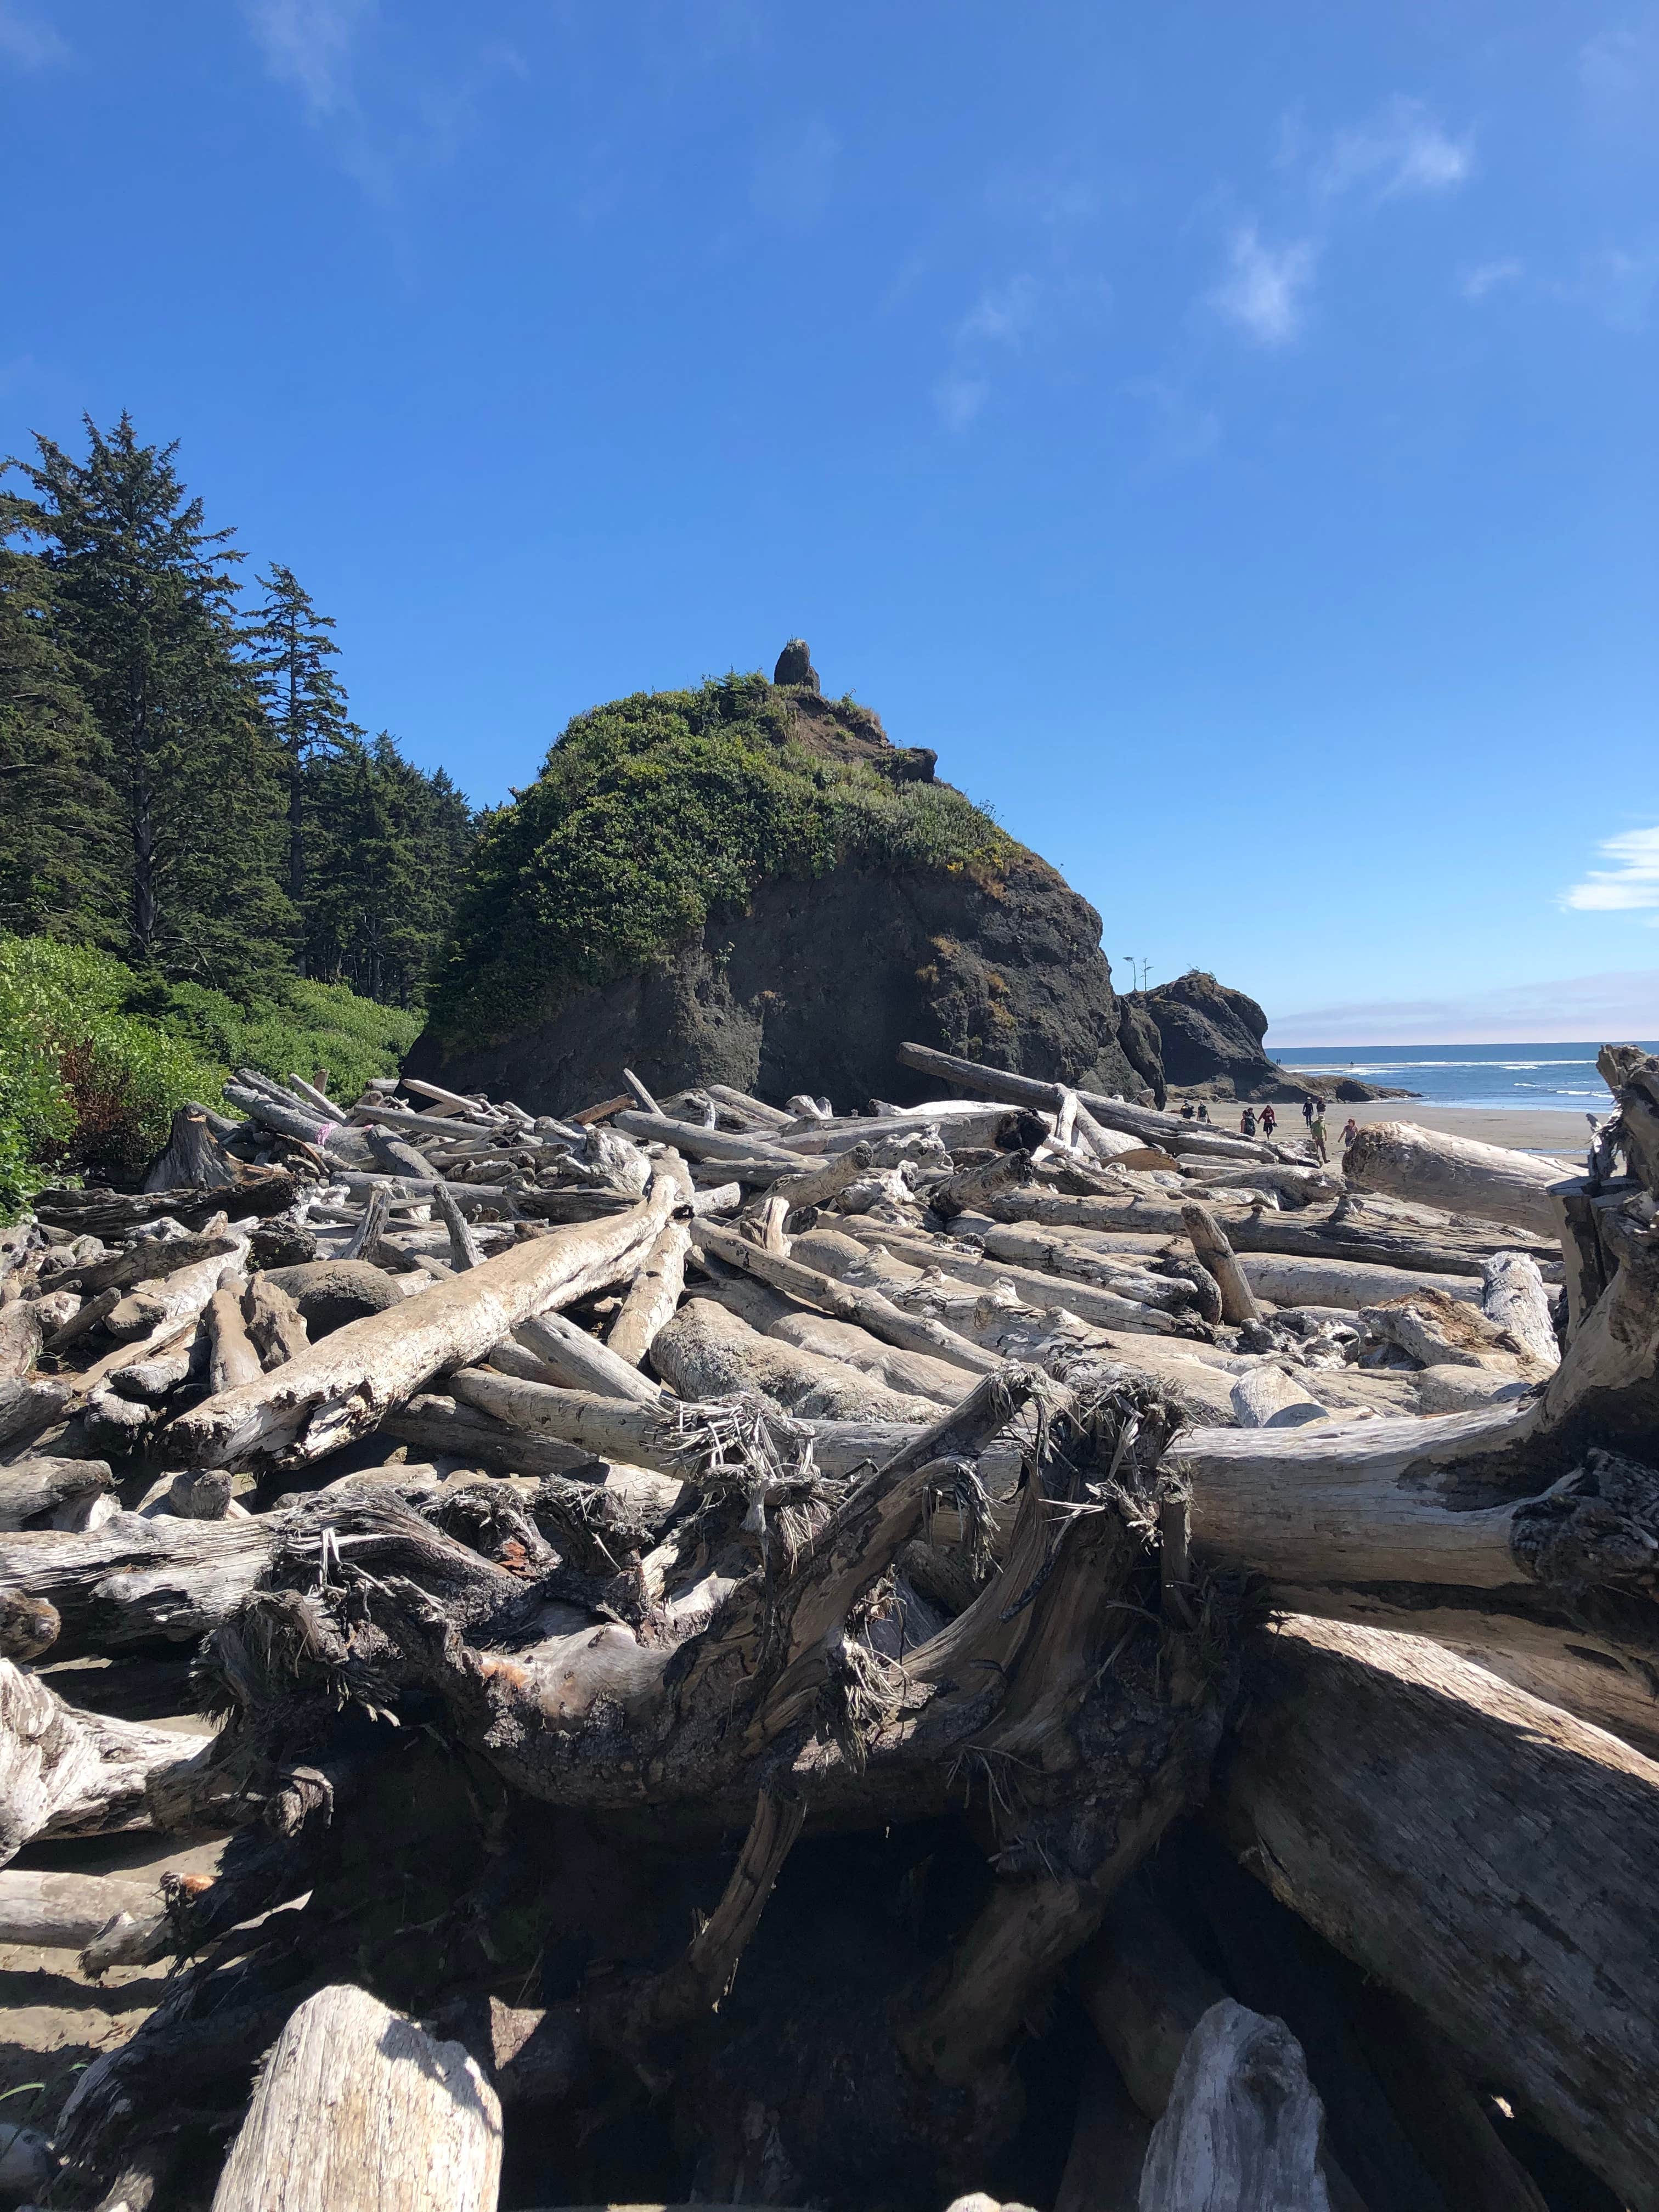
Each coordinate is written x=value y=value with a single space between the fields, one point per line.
x=137 y=1580
x=1285 y=1279
x=914 y=1373
x=1072 y=1258
x=573 y=1360
x=1512 y=1296
x=706 y=1351
x=340 y=1389
x=1488 y=1181
x=67 y=1772
x=1244 y=2128
x=868 y=1309
x=1212 y=1251
x=357 y=2106
x=653 y=1295
x=1382 y=1521
x=32 y=1487
x=64 y=1912
x=1428 y=1820
x=1269 y=1398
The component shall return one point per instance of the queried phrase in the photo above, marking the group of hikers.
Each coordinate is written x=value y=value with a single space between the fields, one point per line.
x=1313 y=1113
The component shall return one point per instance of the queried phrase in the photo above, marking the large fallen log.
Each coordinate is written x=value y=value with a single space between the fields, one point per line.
x=136 y=1580
x=67 y=1772
x=32 y=1487
x=1489 y=1181
x=357 y=2106
x=64 y=1912
x=1431 y=1821
x=340 y=1389
x=1288 y=1281
x=1104 y=1309
x=1168 y=1131
x=914 y=1373
x=1377 y=1521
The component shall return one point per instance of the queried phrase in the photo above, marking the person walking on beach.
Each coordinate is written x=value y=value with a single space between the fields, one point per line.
x=1316 y=1131
x=1269 y=1120
x=1247 y=1122
x=1308 y=1112
x=1350 y=1130
x=1203 y=1111
x=1186 y=1109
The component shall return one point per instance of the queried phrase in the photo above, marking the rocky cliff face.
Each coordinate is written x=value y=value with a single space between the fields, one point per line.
x=815 y=985
x=751 y=885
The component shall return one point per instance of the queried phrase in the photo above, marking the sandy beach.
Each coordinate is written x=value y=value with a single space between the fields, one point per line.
x=1525 y=1130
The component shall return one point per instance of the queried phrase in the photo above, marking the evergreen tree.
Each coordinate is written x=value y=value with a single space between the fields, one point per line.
x=56 y=806
x=392 y=843
x=144 y=603
x=303 y=700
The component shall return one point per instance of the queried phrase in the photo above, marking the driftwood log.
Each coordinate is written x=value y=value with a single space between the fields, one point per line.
x=1428 y=1820
x=1457 y=1173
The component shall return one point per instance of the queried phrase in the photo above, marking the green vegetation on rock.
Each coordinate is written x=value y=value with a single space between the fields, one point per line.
x=94 y=1059
x=652 y=812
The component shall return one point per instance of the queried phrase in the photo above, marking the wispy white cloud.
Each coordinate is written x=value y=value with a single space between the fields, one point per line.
x=1265 y=290
x=1631 y=886
x=1622 y=1004
x=28 y=42
x=1003 y=313
x=958 y=399
x=1489 y=276
x=1403 y=148
x=307 y=43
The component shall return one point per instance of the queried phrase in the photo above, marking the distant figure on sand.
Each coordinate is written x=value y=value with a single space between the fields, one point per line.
x=1316 y=1131
x=1350 y=1130
x=1186 y=1109
x=1203 y=1111
x=1308 y=1111
x=1247 y=1122
x=1269 y=1120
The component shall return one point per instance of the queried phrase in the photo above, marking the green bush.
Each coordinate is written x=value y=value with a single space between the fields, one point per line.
x=85 y=1085
x=651 y=811
x=94 y=1060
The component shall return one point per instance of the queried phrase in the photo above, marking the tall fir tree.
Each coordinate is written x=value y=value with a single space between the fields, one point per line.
x=144 y=600
x=304 y=703
x=57 y=838
x=392 y=842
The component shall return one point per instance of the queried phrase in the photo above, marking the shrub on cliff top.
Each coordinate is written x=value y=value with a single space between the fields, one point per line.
x=647 y=814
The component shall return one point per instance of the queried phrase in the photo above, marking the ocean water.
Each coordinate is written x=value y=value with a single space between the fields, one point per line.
x=1561 y=1076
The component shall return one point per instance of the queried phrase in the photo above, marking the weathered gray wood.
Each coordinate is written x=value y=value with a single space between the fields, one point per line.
x=762 y=1115
x=1489 y=1181
x=652 y=1295
x=232 y=1359
x=358 y=2110
x=915 y=1373
x=1269 y=1398
x=1209 y=1241
x=66 y=1772
x=1431 y=1821
x=1287 y=1279
x=1105 y=1309
x=340 y=1389
x=1512 y=1295
x=819 y=1185
x=707 y=1144
x=706 y=1351
x=1058 y=1255
x=866 y=1309
x=1379 y=1522
x=31 y=1487
x=576 y=1361
x=1244 y=2128
x=64 y=1912
x=136 y=1581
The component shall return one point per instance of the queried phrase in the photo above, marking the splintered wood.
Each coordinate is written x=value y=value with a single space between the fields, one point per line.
x=717 y=1611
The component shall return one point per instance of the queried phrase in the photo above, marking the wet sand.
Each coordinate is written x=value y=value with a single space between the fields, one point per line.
x=1523 y=1128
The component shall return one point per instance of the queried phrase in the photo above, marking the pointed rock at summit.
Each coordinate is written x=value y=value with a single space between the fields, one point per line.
x=795 y=665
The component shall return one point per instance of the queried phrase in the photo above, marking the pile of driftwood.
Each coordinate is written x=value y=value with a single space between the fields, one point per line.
x=1014 y=1646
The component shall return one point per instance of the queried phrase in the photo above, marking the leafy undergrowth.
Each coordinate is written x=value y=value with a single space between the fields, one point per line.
x=94 y=1059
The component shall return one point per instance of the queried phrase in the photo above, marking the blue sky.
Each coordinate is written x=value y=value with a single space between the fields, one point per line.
x=1227 y=434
